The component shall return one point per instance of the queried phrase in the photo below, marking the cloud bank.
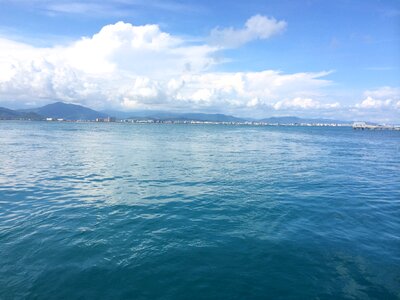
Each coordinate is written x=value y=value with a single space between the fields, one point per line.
x=126 y=66
x=382 y=98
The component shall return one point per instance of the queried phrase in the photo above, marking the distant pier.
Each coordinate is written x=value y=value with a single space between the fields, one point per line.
x=365 y=126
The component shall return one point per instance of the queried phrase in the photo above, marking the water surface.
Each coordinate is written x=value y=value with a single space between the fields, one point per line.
x=121 y=211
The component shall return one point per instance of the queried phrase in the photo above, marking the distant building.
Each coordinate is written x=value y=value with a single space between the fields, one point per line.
x=108 y=119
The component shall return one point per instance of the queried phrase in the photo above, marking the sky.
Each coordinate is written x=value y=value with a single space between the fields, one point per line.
x=308 y=58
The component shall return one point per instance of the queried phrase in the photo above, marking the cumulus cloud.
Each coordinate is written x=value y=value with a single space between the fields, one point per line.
x=117 y=47
x=384 y=92
x=127 y=66
x=382 y=98
x=137 y=49
x=247 y=89
x=257 y=27
x=370 y=102
x=381 y=105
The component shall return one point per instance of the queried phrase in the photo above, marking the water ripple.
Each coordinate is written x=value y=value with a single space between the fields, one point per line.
x=175 y=212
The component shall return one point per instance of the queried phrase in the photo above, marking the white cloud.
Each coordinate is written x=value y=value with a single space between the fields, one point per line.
x=136 y=49
x=257 y=27
x=370 y=102
x=248 y=89
x=382 y=98
x=127 y=66
x=384 y=92
x=124 y=66
x=380 y=105
x=232 y=91
x=303 y=103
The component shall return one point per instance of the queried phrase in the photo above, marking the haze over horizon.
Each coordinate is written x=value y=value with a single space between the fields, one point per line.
x=249 y=59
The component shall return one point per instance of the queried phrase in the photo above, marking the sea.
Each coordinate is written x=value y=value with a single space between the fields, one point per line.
x=179 y=211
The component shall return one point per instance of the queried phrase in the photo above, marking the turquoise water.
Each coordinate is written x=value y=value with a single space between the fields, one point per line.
x=119 y=211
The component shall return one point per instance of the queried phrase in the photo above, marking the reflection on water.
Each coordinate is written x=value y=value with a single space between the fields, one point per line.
x=178 y=211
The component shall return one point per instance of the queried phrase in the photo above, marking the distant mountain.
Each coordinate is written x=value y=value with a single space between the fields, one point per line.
x=9 y=114
x=171 y=116
x=296 y=120
x=166 y=116
x=209 y=117
x=128 y=114
x=61 y=110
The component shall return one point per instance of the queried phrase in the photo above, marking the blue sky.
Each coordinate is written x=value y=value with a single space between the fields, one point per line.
x=257 y=58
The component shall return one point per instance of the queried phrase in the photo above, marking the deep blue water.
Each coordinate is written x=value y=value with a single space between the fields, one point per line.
x=119 y=211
